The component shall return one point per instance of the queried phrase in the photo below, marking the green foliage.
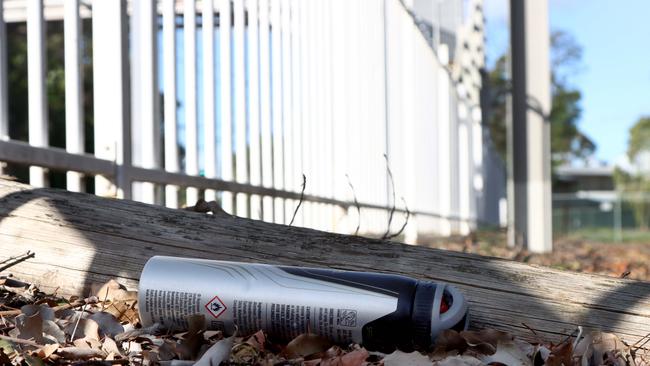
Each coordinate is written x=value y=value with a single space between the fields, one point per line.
x=567 y=141
x=634 y=186
x=639 y=138
x=499 y=87
x=55 y=85
x=637 y=184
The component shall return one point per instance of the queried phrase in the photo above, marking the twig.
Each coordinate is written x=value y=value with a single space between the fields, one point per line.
x=578 y=330
x=74 y=330
x=21 y=341
x=74 y=304
x=529 y=328
x=406 y=221
x=302 y=195
x=70 y=305
x=122 y=361
x=392 y=209
x=575 y=341
x=17 y=259
x=638 y=344
x=356 y=204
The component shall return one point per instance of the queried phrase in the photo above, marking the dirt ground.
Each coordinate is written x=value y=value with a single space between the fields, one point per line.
x=629 y=259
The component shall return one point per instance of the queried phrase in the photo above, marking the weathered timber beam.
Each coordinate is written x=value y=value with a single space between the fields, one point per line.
x=80 y=239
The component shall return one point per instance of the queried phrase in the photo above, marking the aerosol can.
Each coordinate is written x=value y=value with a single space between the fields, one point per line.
x=380 y=311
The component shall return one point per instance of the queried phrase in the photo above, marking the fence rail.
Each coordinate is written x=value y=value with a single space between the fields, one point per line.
x=255 y=99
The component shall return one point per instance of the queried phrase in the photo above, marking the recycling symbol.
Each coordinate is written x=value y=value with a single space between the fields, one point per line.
x=216 y=307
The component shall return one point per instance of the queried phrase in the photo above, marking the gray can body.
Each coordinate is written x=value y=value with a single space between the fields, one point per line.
x=380 y=311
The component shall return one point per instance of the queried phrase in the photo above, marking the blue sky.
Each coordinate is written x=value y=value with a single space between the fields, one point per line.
x=615 y=78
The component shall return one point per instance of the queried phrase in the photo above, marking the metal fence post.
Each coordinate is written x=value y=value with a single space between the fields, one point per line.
x=225 y=31
x=169 y=83
x=37 y=89
x=4 y=94
x=74 y=124
x=111 y=93
x=191 y=124
x=209 y=120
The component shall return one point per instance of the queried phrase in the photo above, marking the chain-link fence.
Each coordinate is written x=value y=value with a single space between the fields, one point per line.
x=606 y=216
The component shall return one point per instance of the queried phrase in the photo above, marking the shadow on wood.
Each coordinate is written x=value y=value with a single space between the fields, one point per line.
x=80 y=239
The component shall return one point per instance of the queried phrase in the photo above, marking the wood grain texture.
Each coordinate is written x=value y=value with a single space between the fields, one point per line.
x=80 y=239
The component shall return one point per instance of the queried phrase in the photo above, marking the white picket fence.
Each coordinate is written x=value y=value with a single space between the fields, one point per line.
x=289 y=87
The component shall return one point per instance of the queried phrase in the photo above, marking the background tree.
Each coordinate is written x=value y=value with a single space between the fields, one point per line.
x=567 y=141
x=55 y=84
x=635 y=184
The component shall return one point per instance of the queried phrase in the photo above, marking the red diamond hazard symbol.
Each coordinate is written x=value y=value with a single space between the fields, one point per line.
x=216 y=307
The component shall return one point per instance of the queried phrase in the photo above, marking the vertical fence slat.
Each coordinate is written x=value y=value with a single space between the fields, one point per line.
x=149 y=118
x=319 y=116
x=74 y=123
x=444 y=158
x=209 y=121
x=287 y=121
x=226 y=102
x=393 y=61
x=307 y=113
x=296 y=117
x=464 y=167
x=265 y=109
x=254 y=100
x=191 y=124
x=37 y=97
x=241 y=153
x=169 y=110
x=340 y=186
x=112 y=121
x=4 y=94
x=328 y=179
x=354 y=140
x=278 y=149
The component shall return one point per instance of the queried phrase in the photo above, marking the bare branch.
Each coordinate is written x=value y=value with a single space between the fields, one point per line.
x=356 y=204
x=406 y=221
x=302 y=195
x=17 y=259
x=392 y=209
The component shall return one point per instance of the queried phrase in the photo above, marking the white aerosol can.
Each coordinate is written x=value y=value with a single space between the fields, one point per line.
x=380 y=311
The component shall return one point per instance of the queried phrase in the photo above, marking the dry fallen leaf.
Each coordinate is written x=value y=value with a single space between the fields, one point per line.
x=47 y=350
x=508 y=353
x=193 y=339
x=562 y=354
x=85 y=328
x=118 y=301
x=353 y=358
x=602 y=348
x=305 y=345
x=109 y=346
x=113 y=291
x=76 y=353
x=449 y=340
x=461 y=361
x=108 y=325
x=399 y=358
x=133 y=333
x=218 y=353
x=53 y=332
x=485 y=341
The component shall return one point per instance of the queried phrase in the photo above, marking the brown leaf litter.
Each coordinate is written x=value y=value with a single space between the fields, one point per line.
x=104 y=329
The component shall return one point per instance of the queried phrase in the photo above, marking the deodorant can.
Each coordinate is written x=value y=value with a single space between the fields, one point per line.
x=380 y=311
